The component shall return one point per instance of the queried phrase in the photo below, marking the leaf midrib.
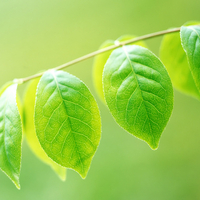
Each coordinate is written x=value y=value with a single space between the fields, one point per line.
x=69 y=120
x=138 y=85
x=12 y=168
x=194 y=31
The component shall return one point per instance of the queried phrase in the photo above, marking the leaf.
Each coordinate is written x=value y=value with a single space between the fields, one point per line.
x=10 y=134
x=190 y=39
x=100 y=61
x=29 y=103
x=19 y=104
x=175 y=60
x=67 y=120
x=5 y=86
x=138 y=92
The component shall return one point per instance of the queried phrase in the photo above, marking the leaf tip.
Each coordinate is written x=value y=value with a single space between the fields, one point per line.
x=154 y=148
x=154 y=145
x=62 y=177
x=18 y=186
x=83 y=174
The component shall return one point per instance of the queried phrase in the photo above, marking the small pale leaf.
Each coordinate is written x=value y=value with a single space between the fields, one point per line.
x=67 y=120
x=175 y=60
x=29 y=103
x=100 y=61
x=10 y=134
x=138 y=92
x=190 y=39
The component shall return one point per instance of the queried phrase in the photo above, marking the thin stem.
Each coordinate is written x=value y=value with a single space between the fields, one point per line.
x=90 y=55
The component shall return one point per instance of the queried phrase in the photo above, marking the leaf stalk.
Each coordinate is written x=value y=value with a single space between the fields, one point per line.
x=90 y=55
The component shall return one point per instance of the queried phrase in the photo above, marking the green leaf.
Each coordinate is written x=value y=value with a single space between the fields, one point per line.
x=29 y=103
x=175 y=60
x=100 y=61
x=19 y=104
x=67 y=120
x=10 y=134
x=190 y=39
x=138 y=92
x=5 y=86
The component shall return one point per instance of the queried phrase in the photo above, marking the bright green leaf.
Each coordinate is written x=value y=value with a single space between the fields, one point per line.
x=10 y=134
x=100 y=61
x=175 y=60
x=67 y=120
x=29 y=103
x=138 y=92
x=190 y=39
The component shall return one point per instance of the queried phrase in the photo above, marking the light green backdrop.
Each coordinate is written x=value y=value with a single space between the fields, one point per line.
x=37 y=35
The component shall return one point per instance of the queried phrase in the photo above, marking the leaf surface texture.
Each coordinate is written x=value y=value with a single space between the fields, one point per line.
x=190 y=39
x=10 y=134
x=100 y=61
x=67 y=120
x=175 y=60
x=138 y=92
x=33 y=142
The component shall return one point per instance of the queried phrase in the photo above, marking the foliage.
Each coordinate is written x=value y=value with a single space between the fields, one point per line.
x=138 y=92
x=61 y=118
x=29 y=103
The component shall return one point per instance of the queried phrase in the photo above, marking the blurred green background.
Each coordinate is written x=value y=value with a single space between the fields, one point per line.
x=37 y=35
